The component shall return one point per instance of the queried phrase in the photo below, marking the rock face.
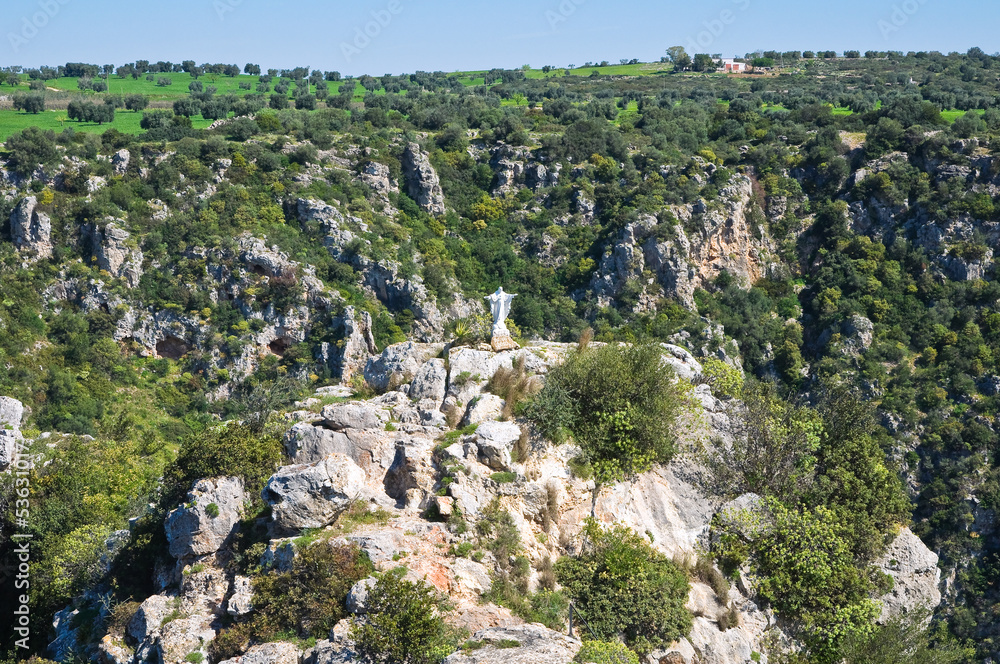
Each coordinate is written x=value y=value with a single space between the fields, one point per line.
x=537 y=645
x=376 y=176
x=430 y=381
x=120 y=161
x=112 y=249
x=398 y=364
x=198 y=528
x=359 y=343
x=915 y=574
x=422 y=182
x=311 y=495
x=268 y=653
x=31 y=230
x=684 y=256
x=11 y=413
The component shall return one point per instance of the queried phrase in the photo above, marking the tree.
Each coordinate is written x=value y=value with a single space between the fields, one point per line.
x=619 y=402
x=703 y=62
x=33 y=103
x=136 y=102
x=774 y=444
x=155 y=119
x=30 y=148
x=253 y=70
x=624 y=587
x=187 y=107
x=680 y=58
x=403 y=624
x=278 y=101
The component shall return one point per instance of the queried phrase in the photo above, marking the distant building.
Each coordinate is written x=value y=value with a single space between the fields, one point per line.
x=732 y=66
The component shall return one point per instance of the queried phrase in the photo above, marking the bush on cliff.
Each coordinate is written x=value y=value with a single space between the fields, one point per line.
x=619 y=403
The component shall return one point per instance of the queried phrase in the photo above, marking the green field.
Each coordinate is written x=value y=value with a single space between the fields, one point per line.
x=128 y=122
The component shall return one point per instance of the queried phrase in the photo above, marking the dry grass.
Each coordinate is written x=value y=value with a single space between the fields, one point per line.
x=453 y=415
x=585 y=338
x=547 y=574
x=513 y=385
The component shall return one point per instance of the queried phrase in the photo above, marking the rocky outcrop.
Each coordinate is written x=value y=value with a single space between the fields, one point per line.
x=422 y=182
x=915 y=574
x=682 y=257
x=278 y=652
x=116 y=253
x=398 y=364
x=120 y=161
x=376 y=176
x=430 y=381
x=11 y=413
x=205 y=522
x=30 y=229
x=359 y=343
x=311 y=495
x=535 y=643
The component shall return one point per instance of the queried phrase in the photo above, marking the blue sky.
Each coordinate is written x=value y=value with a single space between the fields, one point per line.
x=409 y=35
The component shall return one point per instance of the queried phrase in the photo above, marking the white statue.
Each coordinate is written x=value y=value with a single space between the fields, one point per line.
x=500 y=307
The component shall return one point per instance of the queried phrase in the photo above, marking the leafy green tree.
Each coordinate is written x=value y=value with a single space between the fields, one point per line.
x=605 y=652
x=679 y=57
x=621 y=403
x=403 y=624
x=622 y=586
x=30 y=148
x=807 y=572
x=34 y=103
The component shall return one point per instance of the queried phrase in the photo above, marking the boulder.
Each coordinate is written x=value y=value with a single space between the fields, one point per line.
x=681 y=361
x=120 y=161
x=11 y=413
x=307 y=443
x=148 y=617
x=9 y=442
x=376 y=176
x=277 y=652
x=355 y=415
x=915 y=574
x=329 y=652
x=422 y=180
x=495 y=441
x=359 y=343
x=483 y=408
x=114 y=253
x=180 y=638
x=31 y=230
x=241 y=601
x=536 y=645
x=212 y=512
x=398 y=364
x=357 y=598
x=311 y=495
x=430 y=381
x=109 y=651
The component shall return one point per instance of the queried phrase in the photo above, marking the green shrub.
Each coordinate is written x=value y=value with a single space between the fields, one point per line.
x=232 y=449
x=503 y=478
x=620 y=403
x=622 y=586
x=212 y=510
x=309 y=599
x=404 y=624
x=605 y=652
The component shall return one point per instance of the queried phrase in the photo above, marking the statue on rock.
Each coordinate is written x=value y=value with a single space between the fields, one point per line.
x=500 y=307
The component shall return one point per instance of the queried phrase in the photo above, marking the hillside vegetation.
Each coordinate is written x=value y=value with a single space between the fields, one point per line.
x=797 y=265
